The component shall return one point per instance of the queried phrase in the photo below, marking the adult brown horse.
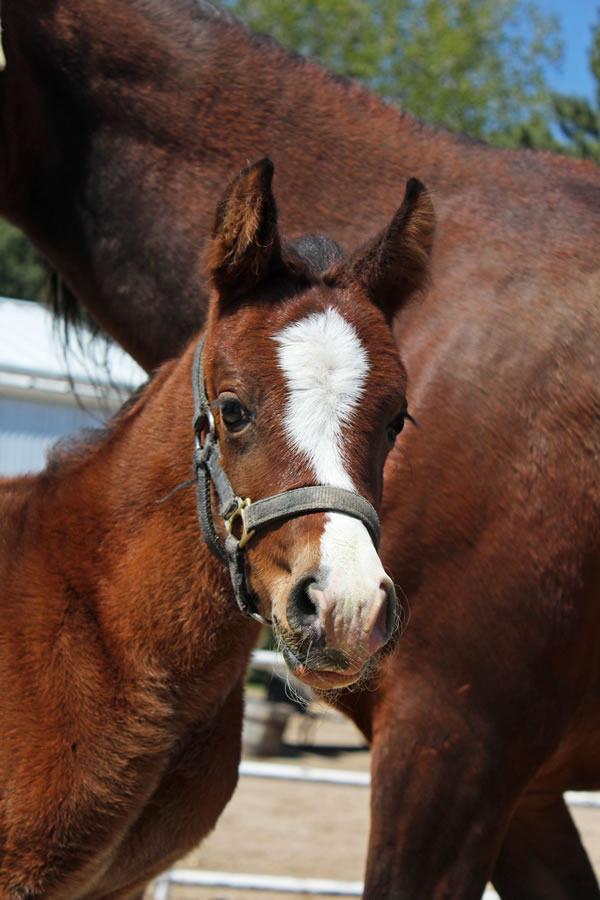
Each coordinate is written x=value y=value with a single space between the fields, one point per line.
x=122 y=653
x=118 y=120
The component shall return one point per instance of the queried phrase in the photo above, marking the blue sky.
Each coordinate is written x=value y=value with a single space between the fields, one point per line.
x=576 y=18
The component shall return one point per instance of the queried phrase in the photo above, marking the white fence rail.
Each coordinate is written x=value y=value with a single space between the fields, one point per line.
x=266 y=659
x=304 y=773
x=281 y=884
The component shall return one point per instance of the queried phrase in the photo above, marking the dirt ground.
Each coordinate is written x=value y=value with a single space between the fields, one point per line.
x=274 y=827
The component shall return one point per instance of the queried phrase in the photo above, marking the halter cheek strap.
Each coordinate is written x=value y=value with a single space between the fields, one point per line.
x=253 y=515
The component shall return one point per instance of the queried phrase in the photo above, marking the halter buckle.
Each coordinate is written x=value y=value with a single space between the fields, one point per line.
x=239 y=511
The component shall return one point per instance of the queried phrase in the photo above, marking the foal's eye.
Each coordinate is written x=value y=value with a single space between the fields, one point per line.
x=234 y=415
x=397 y=424
x=395 y=427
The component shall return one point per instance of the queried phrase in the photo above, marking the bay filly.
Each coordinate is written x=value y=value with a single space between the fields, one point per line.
x=120 y=120
x=122 y=650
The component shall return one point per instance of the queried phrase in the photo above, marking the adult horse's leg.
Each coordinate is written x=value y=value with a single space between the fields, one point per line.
x=542 y=857
x=430 y=772
x=457 y=733
x=430 y=837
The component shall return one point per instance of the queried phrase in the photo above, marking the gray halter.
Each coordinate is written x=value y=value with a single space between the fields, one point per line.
x=253 y=515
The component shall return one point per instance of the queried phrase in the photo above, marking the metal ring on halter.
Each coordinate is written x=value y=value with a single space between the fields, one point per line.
x=211 y=428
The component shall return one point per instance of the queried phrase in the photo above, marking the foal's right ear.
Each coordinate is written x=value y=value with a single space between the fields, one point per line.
x=395 y=264
x=245 y=247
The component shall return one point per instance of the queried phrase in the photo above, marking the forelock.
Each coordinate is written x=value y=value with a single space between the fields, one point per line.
x=317 y=253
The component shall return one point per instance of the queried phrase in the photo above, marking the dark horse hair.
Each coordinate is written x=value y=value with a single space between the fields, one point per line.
x=319 y=253
x=68 y=311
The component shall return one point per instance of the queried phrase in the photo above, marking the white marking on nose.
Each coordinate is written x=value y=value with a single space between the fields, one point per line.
x=356 y=592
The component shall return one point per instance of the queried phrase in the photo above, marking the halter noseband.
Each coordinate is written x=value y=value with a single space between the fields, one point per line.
x=253 y=515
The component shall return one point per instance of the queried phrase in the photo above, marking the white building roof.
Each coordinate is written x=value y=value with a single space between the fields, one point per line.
x=47 y=391
x=33 y=358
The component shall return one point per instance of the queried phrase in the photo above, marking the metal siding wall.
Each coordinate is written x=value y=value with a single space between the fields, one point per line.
x=28 y=429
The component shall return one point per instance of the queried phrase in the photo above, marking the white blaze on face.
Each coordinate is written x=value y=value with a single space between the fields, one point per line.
x=325 y=368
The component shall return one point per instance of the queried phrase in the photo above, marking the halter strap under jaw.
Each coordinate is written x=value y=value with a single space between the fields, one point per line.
x=253 y=515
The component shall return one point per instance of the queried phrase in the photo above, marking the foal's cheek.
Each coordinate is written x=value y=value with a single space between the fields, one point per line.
x=253 y=472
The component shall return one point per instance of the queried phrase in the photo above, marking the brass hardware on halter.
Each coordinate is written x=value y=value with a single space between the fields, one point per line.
x=246 y=535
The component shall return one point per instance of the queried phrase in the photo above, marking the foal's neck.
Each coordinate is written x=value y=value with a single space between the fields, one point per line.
x=136 y=561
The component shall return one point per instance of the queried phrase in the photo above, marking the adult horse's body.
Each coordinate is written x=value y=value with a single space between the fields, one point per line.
x=122 y=653
x=119 y=119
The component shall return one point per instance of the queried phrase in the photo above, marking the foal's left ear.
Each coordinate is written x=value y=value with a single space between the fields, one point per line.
x=245 y=246
x=395 y=264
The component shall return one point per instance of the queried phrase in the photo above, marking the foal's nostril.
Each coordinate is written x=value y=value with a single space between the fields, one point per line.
x=302 y=611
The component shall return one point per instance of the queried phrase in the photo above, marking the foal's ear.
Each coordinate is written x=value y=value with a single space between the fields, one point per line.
x=245 y=245
x=395 y=263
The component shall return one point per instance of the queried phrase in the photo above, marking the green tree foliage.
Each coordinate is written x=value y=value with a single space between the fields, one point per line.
x=573 y=124
x=475 y=66
x=577 y=119
x=22 y=272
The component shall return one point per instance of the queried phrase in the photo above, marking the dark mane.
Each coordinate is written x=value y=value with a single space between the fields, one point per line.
x=67 y=310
